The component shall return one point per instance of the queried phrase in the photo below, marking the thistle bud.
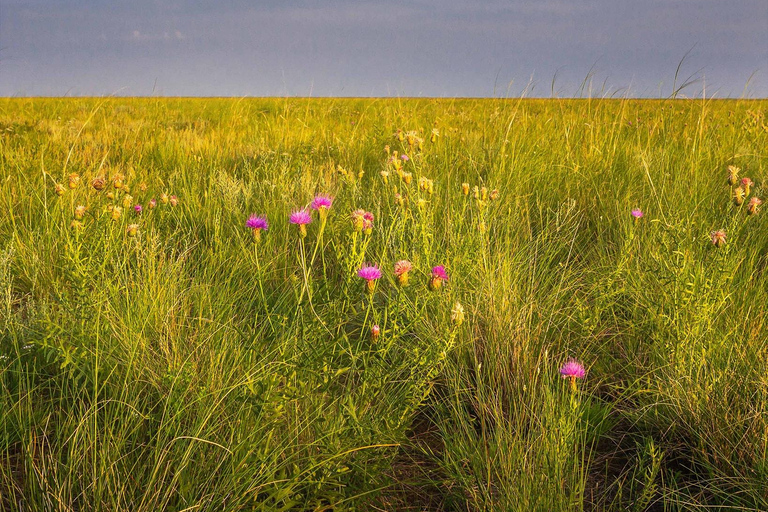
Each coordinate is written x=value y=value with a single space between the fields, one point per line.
x=59 y=189
x=484 y=193
x=152 y=203
x=74 y=180
x=164 y=198
x=465 y=189
x=76 y=225
x=127 y=201
x=375 y=333
x=173 y=200
x=117 y=212
x=754 y=205
x=407 y=178
x=718 y=238
x=476 y=192
x=733 y=174
x=357 y=220
x=80 y=212
x=385 y=176
x=118 y=181
x=399 y=199
x=111 y=196
x=98 y=183
x=132 y=229
x=143 y=187
x=738 y=196
x=746 y=183
x=494 y=194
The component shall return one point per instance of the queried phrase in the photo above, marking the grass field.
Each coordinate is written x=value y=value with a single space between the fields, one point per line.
x=177 y=359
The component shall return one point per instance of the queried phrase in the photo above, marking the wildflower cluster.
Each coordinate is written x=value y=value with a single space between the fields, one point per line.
x=114 y=201
x=742 y=188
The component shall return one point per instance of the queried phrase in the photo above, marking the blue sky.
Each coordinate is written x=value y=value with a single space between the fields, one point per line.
x=378 y=48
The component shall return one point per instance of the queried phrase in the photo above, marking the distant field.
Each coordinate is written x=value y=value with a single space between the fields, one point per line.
x=186 y=357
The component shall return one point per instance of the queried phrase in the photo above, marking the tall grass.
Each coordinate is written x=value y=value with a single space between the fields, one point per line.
x=190 y=367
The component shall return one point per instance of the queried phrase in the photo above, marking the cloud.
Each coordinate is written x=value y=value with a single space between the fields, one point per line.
x=139 y=36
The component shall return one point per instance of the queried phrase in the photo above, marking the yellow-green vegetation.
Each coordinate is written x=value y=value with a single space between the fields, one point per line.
x=404 y=349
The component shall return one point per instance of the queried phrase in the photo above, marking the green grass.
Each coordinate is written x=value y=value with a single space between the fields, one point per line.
x=191 y=368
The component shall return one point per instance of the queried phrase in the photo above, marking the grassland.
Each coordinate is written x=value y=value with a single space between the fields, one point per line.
x=186 y=364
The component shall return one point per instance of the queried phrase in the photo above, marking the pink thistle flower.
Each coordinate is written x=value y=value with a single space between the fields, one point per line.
x=257 y=222
x=320 y=202
x=438 y=276
x=404 y=157
x=300 y=217
x=402 y=268
x=637 y=213
x=137 y=208
x=375 y=332
x=573 y=370
x=152 y=204
x=370 y=273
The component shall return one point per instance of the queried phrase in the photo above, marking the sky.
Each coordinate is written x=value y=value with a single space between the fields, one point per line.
x=448 y=48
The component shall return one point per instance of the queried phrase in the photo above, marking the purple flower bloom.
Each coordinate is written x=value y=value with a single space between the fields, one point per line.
x=573 y=370
x=300 y=217
x=369 y=273
x=637 y=213
x=137 y=208
x=321 y=202
x=439 y=272
x=404 y=157
x=257 y=222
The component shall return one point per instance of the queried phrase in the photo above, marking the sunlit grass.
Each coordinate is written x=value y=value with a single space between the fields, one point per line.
x=366 y=304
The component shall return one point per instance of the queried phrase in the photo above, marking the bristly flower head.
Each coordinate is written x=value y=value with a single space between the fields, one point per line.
x=257 y=224
x=132 y=229
x=718 y=238
x=402 y=268
x=733 y=174
x=301 y=218
x=370 y=273
x=80 y=212
x=573 y=370
x=137 y=209
x=152 y=204
x=746 y=183
x=375 y=332
x=404 y=157
x=738 y=196
x=321 y=202
x=438 y=276
x=637 y=213
x=754 y=205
